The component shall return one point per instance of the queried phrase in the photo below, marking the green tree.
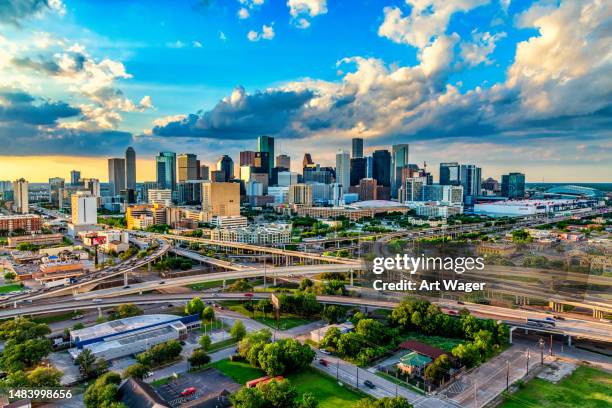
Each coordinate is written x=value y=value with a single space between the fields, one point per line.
x=308 y=401
x=136 y=371
x=9 y=276
x=86 y=361
x=199 y=358
x=126 y=310
x=331 y=339
x=306 y=285
x=333 y=314
x=205 y=342
x=103 y=392
x=238 y=331
x=44 y=377
x=386 y=402
x=467 y=353
x=436 y=371
x=208 y=313
x=194 y=306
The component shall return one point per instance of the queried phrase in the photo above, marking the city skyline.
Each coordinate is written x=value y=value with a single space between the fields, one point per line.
x=493 y=83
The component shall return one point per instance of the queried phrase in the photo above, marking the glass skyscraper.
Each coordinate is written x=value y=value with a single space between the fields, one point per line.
x=166 y=171
x=266 y=144
x=400 y=161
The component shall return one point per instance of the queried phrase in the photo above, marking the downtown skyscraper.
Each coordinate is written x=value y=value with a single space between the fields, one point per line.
x=400 y=162
x=116 y=175
x=266 y=144
x=130 y=168
x=166 y=170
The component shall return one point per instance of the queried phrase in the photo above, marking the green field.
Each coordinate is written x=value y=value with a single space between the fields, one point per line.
x=206 y=285
x=443 y=343
x=287 y=321
x=586 y=388
x=56 y=317
x=10 y=288
x=221 y=345
x=325 y=388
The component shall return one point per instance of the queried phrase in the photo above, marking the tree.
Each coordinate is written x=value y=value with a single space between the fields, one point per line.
x=78 y=326
x=308 y=401
x=248 y=398
x=241 y=285
x=208 y=313
x=44 y=377
x=273 y=394
x=238 y=331
x=468 y=353
x=264 y=306
x=126 y=310
x=10 y=276
x=350 y=344
x=86 y=361
x=19 y=356
x=270 y=359
x=136 y=371
x=333 y=314
x=331 y=339
x=436 y=371
x=194 y=306
x=372 y=331
x=306 y=285
x=386 y=402
x=103 y=392
x=205 y=342
x=160 y=353
x=199 y=358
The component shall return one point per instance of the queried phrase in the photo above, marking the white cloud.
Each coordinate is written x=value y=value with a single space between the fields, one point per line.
x=427 y=19
x=176 y=44
x=437 y=56
x=302 y=23
x=58 y=6
x=300 y=9
x=243 y=13
x=483 y=44
x=197 y=44
x=222 y=36
x=267 y=33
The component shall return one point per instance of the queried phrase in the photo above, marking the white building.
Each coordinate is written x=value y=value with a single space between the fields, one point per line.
x=84 y=209
x=234 y=221
x=255 y=234
x=286 y=178
x=162 y=197
x=279 y=194
x=436 y=210
x=20 y=196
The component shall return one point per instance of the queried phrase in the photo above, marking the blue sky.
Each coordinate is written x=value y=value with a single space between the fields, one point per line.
x=507 y=84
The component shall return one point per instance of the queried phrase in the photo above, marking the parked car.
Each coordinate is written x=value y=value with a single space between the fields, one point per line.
x=188 y=391
x=325 y=351
x=369 y=384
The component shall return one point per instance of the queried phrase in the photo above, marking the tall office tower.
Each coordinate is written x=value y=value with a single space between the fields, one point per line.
x=367 y=189
x=359 y=168
x=146 y=187
x=166 y=171
x=282 y=160
x=357 y=151
x=204 y=172
x=75 y=177
x=247 y=158
x=189 y=192
x=445 y=194
x=187 y=167
x=369 y=167
x=287 y=178
x=513 y=185
x=471 y=182
x=318 y=174
x=275 y=171
x=307 y=161
x=300 y=194
x=116 y=176
x=261 y=161
x=130 y=168
x=226 y=165
x=414 y=188
x=84 y=208
x=381 y=167
x=217 y=176
x=343 y=170
x=92 y=185
x=56 y=192
x=266 y=144
x=400 y=161
x=222 y=199
x=20 y=196
x=450 y=174
x=161 y=197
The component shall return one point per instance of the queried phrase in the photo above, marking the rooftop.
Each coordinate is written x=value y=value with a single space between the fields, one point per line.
x=119 y=326
x=415 y=359
x=376 y=204
x=422 y=348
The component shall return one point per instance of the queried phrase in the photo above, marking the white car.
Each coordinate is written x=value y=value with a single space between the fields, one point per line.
x=325 y=352
x=97 y=300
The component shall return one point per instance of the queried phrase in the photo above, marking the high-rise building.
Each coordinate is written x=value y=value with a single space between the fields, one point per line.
x=369 y=167
x=204 y=172
x=282 y=160
x=343 y=170
x=187 y=167
x=166 y=171
x=367 y=189
x=247 y=158
x=318 y=174
x=266 y=144
x=359 y=168
x=84 y=208
x=471 y=181
x=130 y=168
x=161 y=197
x=414 y=188
x=400 y=161
x=75 y=177
x=92 y=185
x=221 y=199
x=300 y=194
x=513 y=185
x=287 y=178
x=226 y=165
x=450 y=174
x=20 y=196
x=56 y=192
x=445 y=194
x=307 y=161
x=357 y=151
x=116 y=176
x=217 y=176
x=381 y=167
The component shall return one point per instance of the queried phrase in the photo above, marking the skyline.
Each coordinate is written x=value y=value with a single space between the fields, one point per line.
x=494 y=83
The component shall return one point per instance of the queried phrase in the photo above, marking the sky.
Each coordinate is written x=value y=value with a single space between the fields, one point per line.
x=508 y=85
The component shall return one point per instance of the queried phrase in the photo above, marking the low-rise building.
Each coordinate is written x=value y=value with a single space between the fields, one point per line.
x=24 y=223
x=236 y=221
x=496 y=248
x=38 y=239
x=254 y=234
x=318 y=334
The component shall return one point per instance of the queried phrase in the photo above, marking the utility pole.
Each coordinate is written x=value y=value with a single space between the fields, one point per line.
x=507 y=375
x=528 y=361
x=357 y=377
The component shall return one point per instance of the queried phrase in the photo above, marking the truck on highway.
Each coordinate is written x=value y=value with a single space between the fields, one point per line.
x=57 y=283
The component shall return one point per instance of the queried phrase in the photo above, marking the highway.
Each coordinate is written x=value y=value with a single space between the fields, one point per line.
x=516 y=317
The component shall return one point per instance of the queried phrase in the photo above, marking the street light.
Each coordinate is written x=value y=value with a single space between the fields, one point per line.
x=541 y=343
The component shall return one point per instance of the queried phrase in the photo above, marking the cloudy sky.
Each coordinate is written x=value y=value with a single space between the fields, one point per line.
x=509 y=85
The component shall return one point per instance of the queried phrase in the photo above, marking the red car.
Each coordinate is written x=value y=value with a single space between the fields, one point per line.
x=188 y=391
x=323 y=362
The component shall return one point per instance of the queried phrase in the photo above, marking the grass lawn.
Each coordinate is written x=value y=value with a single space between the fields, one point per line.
x=206 y=285
x=161 y=381
x=586 y=388
x=444 y=343
x=56 y=317
x=287 y=321
x=399 y=382
x=10 y=288
x=221 y=344
x=325 y=388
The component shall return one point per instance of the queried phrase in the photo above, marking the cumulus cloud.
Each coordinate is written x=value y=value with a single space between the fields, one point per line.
x=19 y=106
x=267 y=33
x=14 y=11
x=301 y=10
x=478 y=50
x=243 y=12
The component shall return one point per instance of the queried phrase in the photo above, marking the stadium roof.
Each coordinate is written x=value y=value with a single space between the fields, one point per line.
x=578 y=191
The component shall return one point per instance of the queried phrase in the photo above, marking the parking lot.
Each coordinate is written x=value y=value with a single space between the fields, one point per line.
x=205 y=382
